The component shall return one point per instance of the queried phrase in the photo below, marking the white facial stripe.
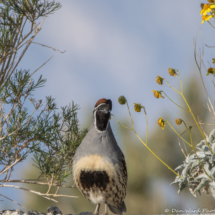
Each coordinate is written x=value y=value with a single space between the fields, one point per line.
x=99 y=105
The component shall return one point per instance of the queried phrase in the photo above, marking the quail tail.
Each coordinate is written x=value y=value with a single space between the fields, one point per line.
x=118 y=210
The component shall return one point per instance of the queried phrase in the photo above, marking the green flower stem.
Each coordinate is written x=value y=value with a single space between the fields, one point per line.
x=130 y=116
x=171 y=86
x=142 y=140
x=211 y=24
x=146 y=124
x=174 y=102
x=179 y=79
x=197 y=123
x=191 y=139
x=178 y=134
x=156 y=155
x=121 y=123
x=193 y=114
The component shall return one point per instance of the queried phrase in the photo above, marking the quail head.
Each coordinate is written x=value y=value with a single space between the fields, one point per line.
x=99 y=167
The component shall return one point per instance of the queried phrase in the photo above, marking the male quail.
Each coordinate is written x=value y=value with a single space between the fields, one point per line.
x=99 y=166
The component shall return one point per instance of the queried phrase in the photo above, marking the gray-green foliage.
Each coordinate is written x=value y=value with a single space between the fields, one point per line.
x=52 y=135
x=60 y=135
x=30 y=126
x=193 y=175
x=18 y=28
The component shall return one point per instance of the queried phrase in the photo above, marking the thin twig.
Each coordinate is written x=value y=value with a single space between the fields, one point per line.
x=34 y=181
x=60 y=195
x=42 y=65
x=195 y=125
x=177 y=133
x=174 y=102
x=14 y=202
x=31 y=191
x=49 y=47
x=132 y=122
x=171 y=86
x=147 y=127
x=50 y=184
x=156 y=155
x=44 y=195
x=121 y=123
x=209 y=46
x=199 y=68
x=13 y=164
x=181 y=148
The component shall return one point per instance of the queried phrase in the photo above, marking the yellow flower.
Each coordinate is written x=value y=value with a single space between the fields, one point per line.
x=206 y=9
x=213 y=60
x=178 y=121
x=137 y=107
x=161 y=123
x=159 y=80
x=172 y=72
x=211 y=71
x=157 y=94
x=205 y=18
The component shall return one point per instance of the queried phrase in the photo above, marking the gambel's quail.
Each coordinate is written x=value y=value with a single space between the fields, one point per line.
x=99 y=167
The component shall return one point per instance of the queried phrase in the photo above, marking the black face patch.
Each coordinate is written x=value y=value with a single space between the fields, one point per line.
x=94 y=179
x=102 y=119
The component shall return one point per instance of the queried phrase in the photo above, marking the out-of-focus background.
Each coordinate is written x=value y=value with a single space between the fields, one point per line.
x=116 y=48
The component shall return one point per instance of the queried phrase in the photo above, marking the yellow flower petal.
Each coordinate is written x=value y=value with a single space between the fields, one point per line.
x=137 y=107
x=159 y=80
x=161 y=122
x=206 y=9
x=157 y=94
x=206 y=18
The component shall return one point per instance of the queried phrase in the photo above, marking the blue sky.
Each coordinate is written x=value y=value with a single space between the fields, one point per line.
x=116 y=48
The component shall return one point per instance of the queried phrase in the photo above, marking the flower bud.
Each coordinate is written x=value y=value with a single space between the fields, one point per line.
x=122 y=100
x=172 y=72
x=157 y=94
x=178 y=121
x=161 y=122
x=137 y=107
x=159 y=80
x=211 y=71
x=211 y=1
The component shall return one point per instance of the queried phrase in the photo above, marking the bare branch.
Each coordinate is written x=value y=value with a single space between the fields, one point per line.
x=31 y=191
x=34 y=181
x=14 y=202
x=199 y=68
x=42 y=65
x=49 y=47
x=209 y=46
x=44 y=195
x=9 y=167
x=181 y=148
